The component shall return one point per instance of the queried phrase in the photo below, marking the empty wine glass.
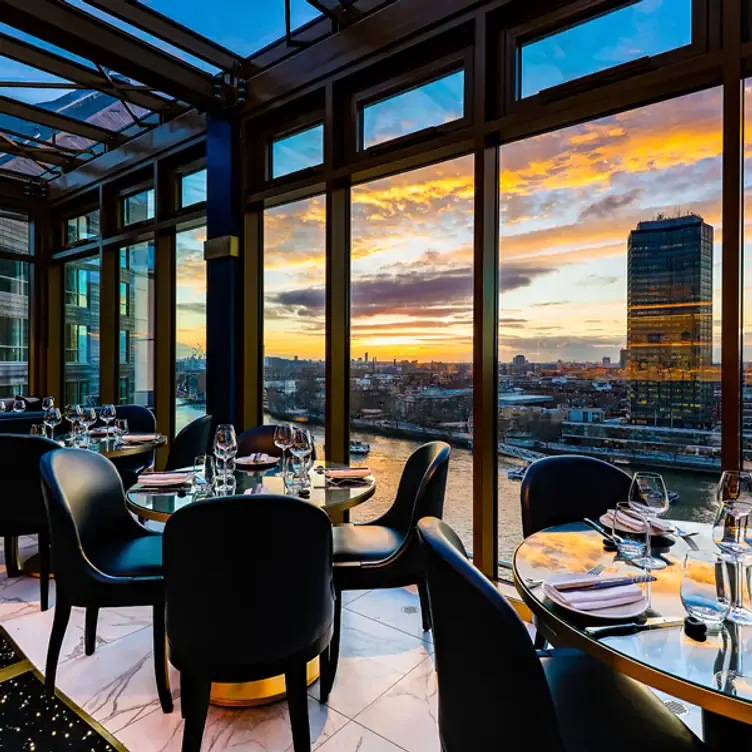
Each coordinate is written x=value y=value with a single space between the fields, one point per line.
x=52 y=418
x=225 y=445
x=120 y=429
x=19 y=405
x=73 y=415
x=301 y=449
x=47 y=403
x=730 y=534
x=108 y=414
x=283 y=439
x=89 y=418
x=648 y=499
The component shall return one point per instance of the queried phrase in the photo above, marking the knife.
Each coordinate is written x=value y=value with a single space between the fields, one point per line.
x=602 y=530
x=602 y=584
x=656 y=622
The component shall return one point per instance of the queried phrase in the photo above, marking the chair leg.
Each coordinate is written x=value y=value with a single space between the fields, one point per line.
x=45 y=555
x=161 y=667
x=195 y=705
x=59 y=625
x=540 y=641
x=90 y=631
x=327 y=677
x=330 y=660
x=12 y=563
x=425 y=607
x=297 y=701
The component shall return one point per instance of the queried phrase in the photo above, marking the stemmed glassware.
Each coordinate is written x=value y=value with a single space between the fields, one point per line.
x=120 y=429
x=301 y=449
x=47 y=403
x=19 y=405
x=73 y=415
x=52 y=418
x=734 y=495
x=283 y=438
x=648 y=499
x=108 y=414
x=225 y=447
x=88 y=418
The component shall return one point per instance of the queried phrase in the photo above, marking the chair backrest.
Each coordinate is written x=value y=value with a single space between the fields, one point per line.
x=20 y=423
x=492 y=689
x=85 y=505
x=22 y=503
x=258 y=439
x=558 y=490
x=140 y=420
x=192 y=441
x=261 y=589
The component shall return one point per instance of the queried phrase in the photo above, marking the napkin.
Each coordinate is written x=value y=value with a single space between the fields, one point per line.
x=256 y=490
x=634 y=524
x=163 y=479
x=348 y=473
x=257 y=458
x=594 y=600
x=137 y=437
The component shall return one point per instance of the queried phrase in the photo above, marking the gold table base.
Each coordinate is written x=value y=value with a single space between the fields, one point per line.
x=261 y=692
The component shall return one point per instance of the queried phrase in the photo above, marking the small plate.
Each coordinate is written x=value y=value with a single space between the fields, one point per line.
x=243 y=463
x=605 y=520
x=628 y=611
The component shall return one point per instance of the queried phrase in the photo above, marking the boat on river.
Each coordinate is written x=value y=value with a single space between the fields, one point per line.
x=359 y=447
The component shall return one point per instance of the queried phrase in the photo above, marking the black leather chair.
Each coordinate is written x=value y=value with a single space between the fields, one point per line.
x=496 y=692
x=140 y=420
x=22 y=509
x=264 y=608
x=558 y=490
x=20 y=423
x=192 y=441
x=386 y=553
x=103 y=557
x=258 y=439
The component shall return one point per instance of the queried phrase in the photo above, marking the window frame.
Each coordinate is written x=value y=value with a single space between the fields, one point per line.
x=128 y=193
x=293 y=130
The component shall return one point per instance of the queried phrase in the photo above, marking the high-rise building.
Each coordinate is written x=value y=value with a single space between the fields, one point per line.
x=623 y=358
x=670 y=322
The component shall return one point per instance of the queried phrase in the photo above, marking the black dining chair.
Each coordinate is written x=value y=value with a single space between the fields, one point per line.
x=140 y=420
x=264 y=608
x=22 y=509
x=192 y=441
x=496 y=692
x=386 y=553
x=103 y=557
x=258 y=439
x=568 y=488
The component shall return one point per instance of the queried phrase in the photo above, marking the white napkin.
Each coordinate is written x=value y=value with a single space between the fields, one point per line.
x=634 y=524
x=136 y=437
x=256 y=490
x=594 y=600
x=163 y=479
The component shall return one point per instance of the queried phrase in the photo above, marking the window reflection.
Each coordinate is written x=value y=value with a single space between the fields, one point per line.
x=83 y=227
x=193 y=188
x=297 y=152
x=139 y=207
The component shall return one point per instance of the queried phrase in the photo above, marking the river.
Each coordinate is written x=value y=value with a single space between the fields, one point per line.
x=388 y=456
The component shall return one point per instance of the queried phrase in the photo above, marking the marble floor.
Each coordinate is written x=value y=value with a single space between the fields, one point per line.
x=384 y=699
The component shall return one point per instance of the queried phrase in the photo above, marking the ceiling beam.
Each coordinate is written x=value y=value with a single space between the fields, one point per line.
x=36 y=57
x=162 y=26
x=37 y=153
x=81 y=33
x=341 y=11
x=59 y=122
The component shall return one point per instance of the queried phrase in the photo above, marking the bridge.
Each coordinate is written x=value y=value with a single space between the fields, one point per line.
x=520 y=453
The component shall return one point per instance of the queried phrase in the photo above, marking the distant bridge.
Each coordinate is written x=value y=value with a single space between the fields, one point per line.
x=520 y=453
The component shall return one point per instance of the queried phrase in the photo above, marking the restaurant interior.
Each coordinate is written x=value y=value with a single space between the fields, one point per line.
x=263 y=261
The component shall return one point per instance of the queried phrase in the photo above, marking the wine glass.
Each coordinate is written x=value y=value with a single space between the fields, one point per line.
x=734 y=495
x=108 y=414
x=73 y=415
x=301 y=449
x=19 y=405
x=705 y=591
x=89 y=418
x=283 y=439
x=47 y=403
x=120 y=429
x=225 y=445
x=648 y=499
x=38 y=429
x=52 y=418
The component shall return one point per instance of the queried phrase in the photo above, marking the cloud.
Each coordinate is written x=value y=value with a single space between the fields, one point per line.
x=197 y=308
x=514 y=276
x=550 y=303
x=609 y=205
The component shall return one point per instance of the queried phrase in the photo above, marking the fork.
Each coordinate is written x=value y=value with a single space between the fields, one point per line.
x=596 y=570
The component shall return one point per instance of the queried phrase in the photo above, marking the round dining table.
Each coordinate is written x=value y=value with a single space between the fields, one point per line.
x=715 y=674
x=335 y=499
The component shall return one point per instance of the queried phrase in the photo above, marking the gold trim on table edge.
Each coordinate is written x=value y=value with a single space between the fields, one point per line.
x=708 y=699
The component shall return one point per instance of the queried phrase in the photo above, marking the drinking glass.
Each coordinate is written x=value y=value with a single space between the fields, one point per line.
x=648 y=499
x=283 y=438
x=89 y=418
x=120 y=429
x=18 y=405
x=629 y=545
x=705 y=590
x=730 y=534
x=73 y=415
x=47 y=403
x=38 y=429
x=203 y=472
x=108 y=414
x=225 y=445
x=52 y=418
x=301 y=450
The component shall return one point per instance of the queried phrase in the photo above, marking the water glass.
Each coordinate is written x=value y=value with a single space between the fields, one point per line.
x=19 y=405
x=629 y=545
x=121 y=429
x=648 y=499
x=38 y=429
x=705 y=588
x=108 y=414
x=52 y=418
x=203 y=472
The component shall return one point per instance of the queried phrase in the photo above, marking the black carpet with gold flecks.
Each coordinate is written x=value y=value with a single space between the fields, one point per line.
x=30 y=721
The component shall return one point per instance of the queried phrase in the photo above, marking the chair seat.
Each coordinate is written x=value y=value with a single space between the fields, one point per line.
x=594 y=703
x=365 y=542
x=138 y=557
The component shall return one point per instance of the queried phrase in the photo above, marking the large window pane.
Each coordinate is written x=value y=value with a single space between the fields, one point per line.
x=193 y=188
x=610 y=299
x=137 y=324
x=81 y=344
x=138 y=207
x=747 y=280
x=427 y=106
x=412 y=327
x=641 y=29
x=83 y=227
x=190 y=326
x=297 y=152
x=14 y=327
x=294 y=316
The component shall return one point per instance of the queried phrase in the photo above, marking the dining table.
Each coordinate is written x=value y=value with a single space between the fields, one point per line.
x=714 y=674
x=335 y=498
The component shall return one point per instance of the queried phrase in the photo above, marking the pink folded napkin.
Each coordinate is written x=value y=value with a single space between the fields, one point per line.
x=164 y=479
x=98 y=432
x=594 y=600
x=348 y=472
x=634 y=524
x=257 y=458
x=256 y=490
x=138 y=437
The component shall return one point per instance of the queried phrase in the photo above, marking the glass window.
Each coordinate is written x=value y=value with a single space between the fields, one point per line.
x=747 y=281
x=14 y=233
x=83 y=227
x=82 y=330
x=610 y=315
x=427 y=106
x=642 y=29
x=14 y=327
x=190 y=326
x=297 y=152
x=412 y=328
x=138 y=207
x=137 y=323
x=193 y=188
x=294 y=315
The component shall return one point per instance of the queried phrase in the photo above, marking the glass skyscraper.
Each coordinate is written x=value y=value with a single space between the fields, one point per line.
x=670 y=323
